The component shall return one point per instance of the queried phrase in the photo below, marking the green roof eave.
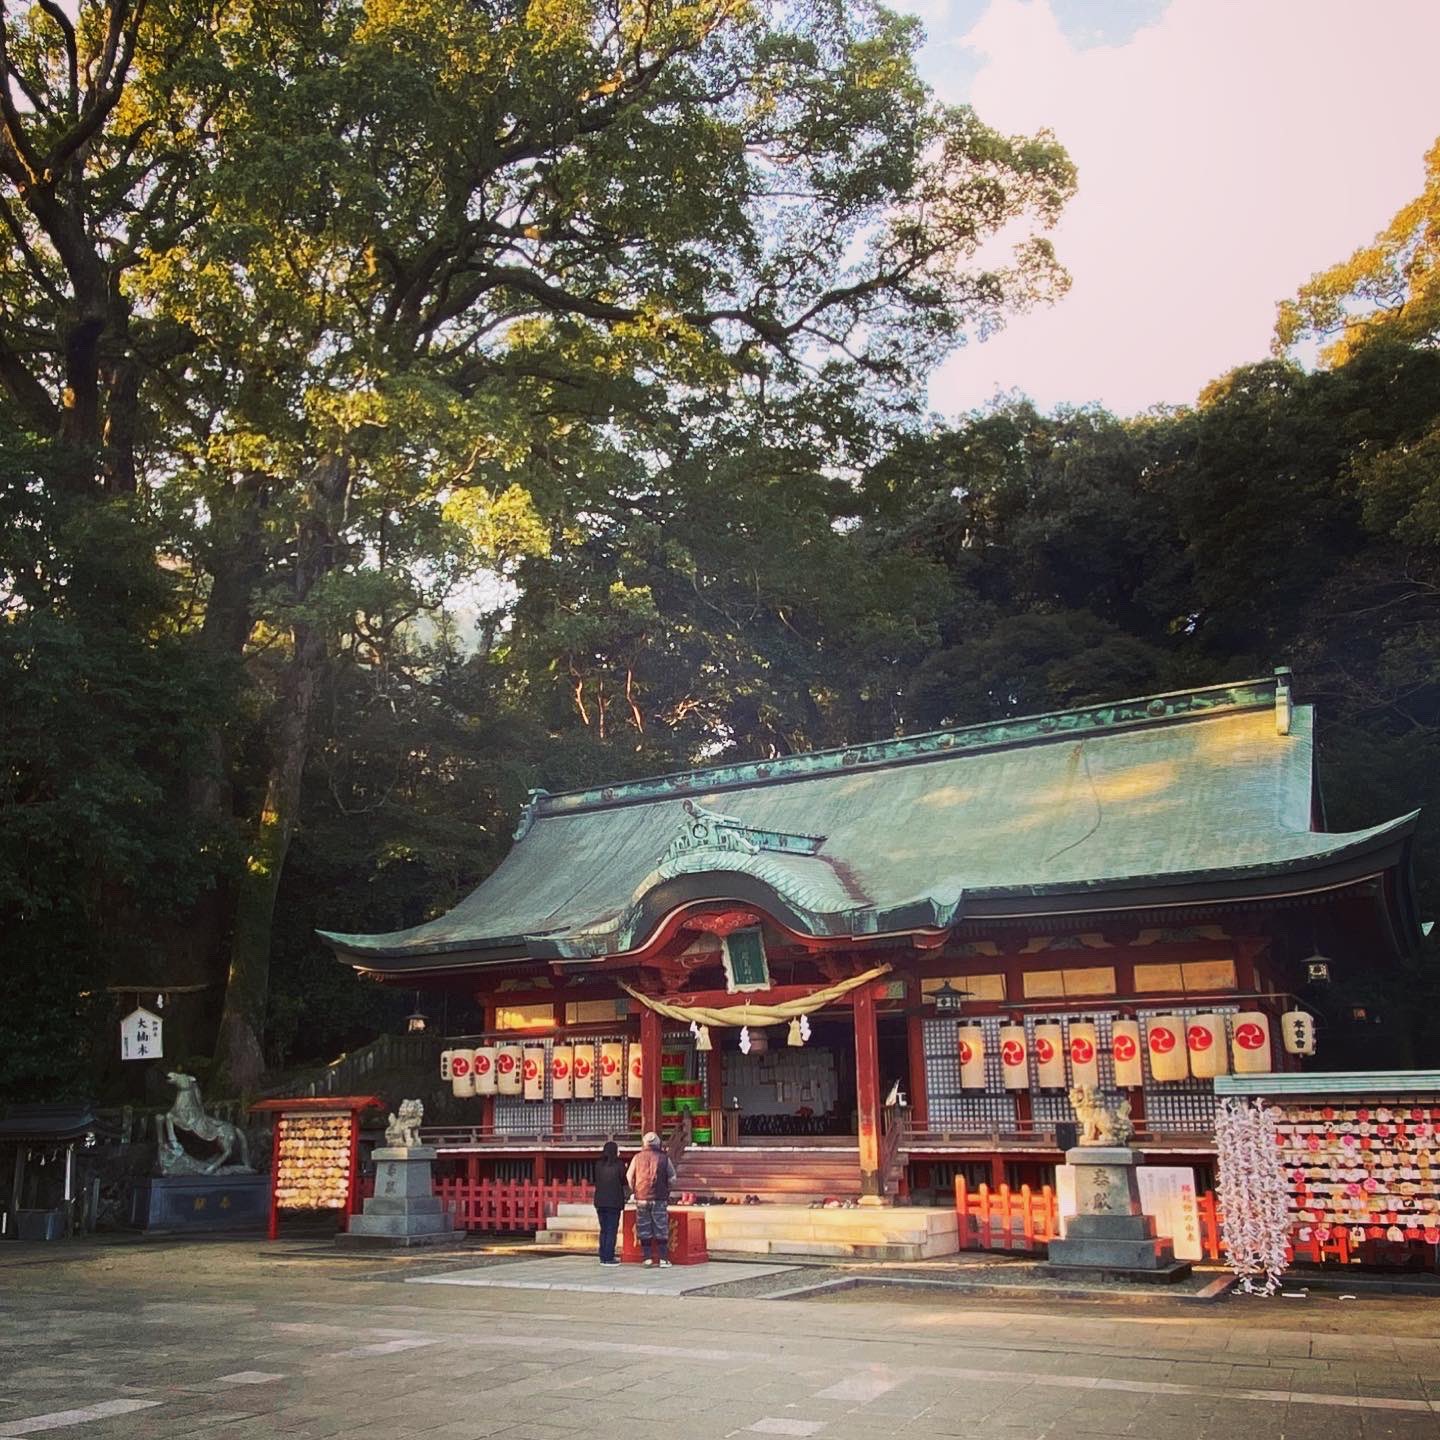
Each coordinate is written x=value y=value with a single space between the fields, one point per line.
x=1329 y=1082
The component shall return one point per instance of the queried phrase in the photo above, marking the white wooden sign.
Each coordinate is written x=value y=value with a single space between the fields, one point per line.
x=1166 y=1191
x=142 y=1036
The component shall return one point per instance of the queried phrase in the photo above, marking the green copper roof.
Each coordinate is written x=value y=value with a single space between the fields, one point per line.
x=1167 y=799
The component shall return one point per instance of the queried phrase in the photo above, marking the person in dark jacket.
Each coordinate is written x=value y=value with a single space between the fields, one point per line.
x=609 y=1199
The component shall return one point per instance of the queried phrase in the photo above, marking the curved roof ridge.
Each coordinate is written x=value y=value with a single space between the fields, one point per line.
x=1144 y=710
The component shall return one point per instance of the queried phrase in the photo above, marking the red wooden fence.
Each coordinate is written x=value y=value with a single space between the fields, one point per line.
x=506 y=1206
x=1026 y=1220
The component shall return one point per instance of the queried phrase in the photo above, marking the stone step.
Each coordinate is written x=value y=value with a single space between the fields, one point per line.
x=867 y=1232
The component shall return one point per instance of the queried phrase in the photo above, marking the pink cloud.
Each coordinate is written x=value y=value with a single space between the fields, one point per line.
x=1225 y=153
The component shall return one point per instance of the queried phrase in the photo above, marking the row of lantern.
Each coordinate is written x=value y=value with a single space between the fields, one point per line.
x=577 y=1072
x=1178 y=1049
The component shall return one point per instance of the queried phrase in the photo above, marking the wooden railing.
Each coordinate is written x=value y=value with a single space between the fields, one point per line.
x=894 y=1133
x=500 y=1207
x=1026 y=1220
x=353 y=1073
x=679 y=1138
x=466 y=1137
x=1031 y=1133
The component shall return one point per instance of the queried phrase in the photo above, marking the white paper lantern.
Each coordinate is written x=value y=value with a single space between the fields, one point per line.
x=509 y=1068
x=562 y=1072
x=1250 y=1043
x=1165 y=1040
x=1013 y=1057
x=584 y=1071
x=1297 y=1032
x=1205 y=1043
x=533 y=1069
x=1125 y=1051
x=462 y=1072
x=1084 y=1054
x=970 y=1040
x=612 y=1069
x=485 y=1076
x=1049 y=1047
x=635 y=1076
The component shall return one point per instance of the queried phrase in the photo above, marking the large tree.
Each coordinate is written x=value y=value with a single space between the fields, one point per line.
x=471 y=275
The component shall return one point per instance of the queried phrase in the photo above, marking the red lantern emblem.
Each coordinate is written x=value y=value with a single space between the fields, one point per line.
x=637 y=1067
x=531 y=1070
x=1012 y=1052
x=504 y=1062
x=1162 y=1039
x=967 y=1053
x=1124 y=1047
x=1249 y=1036
x=558 y=1068
x=1198 y=1037
x=459 y=1065
x=608 y=1065
x=1044 y=1050
x=1082 y=1052
x=482 y=1064
x=582 y=1068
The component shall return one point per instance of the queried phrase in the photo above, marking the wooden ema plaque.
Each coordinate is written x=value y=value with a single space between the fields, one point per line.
x=314 y=1160
x=1370 y=1167
x=687 y=1239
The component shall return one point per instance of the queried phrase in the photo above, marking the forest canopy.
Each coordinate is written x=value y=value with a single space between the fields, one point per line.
x=404 y=405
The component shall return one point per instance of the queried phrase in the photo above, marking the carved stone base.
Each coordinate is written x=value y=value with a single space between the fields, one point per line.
x=1110 y=1233
x=227 y=1201
x=404 y=1210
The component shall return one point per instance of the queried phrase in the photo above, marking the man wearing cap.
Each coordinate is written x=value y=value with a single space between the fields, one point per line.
x=650 y=1177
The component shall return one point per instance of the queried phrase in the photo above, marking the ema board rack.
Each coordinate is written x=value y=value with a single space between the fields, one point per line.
x=314 y=1162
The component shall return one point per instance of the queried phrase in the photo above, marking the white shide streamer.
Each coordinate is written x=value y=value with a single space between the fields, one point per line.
x=1255 y=1227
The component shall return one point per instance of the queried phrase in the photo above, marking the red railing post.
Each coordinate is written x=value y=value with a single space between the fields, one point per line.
x=984 y=1236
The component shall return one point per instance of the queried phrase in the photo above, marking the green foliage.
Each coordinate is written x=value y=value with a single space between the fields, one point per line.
x=101 y=714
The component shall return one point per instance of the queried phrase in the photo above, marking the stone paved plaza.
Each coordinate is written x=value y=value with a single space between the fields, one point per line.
x=241 y=1339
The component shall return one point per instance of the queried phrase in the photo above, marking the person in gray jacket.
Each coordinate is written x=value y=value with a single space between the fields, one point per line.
x=650 y=1177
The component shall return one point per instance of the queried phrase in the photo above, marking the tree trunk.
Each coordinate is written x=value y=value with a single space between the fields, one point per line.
x=240 y=1055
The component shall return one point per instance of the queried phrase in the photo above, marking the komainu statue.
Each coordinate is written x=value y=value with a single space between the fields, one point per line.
x=187 y=1113
x=403 y=1131
x=1101 y=1121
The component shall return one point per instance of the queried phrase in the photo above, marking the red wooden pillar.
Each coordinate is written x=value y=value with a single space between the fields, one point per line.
x=650 y=1072
x=867 y=1092
x=915 y=1053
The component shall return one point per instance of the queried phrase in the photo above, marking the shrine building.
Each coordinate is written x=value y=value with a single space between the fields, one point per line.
x=864 y=972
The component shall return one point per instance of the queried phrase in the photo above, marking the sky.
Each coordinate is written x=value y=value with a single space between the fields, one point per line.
x=1227 y=150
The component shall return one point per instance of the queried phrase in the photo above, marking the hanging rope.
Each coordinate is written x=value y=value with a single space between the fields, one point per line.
x=746 y=1012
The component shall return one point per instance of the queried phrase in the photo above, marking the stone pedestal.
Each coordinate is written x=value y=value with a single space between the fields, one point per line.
x=1109 y=1233
x=404 y=1210
x=234 y=1201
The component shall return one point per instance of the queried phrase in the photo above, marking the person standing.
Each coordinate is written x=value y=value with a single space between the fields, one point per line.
x=609 y=1199
x=650 y=1177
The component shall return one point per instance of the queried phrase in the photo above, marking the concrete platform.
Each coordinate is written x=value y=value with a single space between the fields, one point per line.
x=565 y=1272
x=914 y=1232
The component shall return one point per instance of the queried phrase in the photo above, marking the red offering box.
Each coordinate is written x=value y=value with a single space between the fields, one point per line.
x=687 y=1239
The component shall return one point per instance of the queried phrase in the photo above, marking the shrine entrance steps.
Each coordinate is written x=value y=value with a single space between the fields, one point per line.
x=793 y=1174
x=749 y=1232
